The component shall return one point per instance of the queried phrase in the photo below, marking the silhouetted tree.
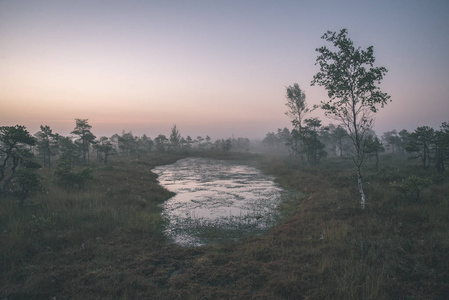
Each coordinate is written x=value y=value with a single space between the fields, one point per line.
x=313 y=148
x=420 y=143
x=86 y=138
x=373 y=147
x=286 y=137
x=349 y=76
x=297 y=106
x=189 y=141
x=272 y=141
x=403 y=140
x=392 y=138
x=175 y=139
x=396 y=140
x=27 y=181
x=69 y=176
x=47 y=144
x=208 y=142
x=441 y=147
x=325 y=137
x=200 y=139
x=161 y=142
x=145 y=144
x=226 y=145
x=127 y=143
x=339 y=137
x=105 y=149
x=69 y=152
x=297 y=109
x=15 y=142
x=241 y=144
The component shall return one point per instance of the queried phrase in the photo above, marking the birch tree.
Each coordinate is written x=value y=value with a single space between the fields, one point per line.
x=350 y=78
x=297 y=109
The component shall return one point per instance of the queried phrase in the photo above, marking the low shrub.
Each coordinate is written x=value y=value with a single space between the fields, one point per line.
x=411 y=187
x=66 y=176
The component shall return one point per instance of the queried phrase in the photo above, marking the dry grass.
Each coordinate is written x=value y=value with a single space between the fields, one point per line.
x=123 y=197
x=105 y=242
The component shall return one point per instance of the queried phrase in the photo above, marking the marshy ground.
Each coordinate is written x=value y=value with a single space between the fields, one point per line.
x=217 y=201
x=106 y=240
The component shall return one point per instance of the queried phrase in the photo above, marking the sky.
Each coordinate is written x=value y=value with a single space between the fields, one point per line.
x=217 y=68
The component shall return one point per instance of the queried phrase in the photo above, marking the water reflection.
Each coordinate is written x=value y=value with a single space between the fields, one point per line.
x=216 y=200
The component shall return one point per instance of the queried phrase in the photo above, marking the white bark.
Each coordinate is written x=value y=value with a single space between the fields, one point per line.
x=362 y=194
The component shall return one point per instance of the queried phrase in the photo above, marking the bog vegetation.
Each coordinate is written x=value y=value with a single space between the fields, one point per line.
x=80 y=215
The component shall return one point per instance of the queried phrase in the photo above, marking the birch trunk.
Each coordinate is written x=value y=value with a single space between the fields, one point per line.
x=362 y=194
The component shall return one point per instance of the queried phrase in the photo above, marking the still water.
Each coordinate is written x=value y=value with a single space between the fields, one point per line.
x=216 y=201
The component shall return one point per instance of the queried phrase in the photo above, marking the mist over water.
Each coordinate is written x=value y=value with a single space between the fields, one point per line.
x=216 y=200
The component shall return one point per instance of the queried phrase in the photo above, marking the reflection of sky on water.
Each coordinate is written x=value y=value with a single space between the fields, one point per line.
x=215 y=193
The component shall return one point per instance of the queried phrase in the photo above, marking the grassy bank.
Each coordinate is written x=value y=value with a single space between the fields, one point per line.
x=105 y=241
x=122 y=199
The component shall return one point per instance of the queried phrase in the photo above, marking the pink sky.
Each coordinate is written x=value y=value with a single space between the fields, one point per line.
x=215 y=68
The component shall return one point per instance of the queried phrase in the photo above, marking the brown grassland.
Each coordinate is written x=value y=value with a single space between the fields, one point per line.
x=105 y=241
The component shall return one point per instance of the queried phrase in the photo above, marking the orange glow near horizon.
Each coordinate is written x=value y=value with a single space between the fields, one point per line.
x=213 y=69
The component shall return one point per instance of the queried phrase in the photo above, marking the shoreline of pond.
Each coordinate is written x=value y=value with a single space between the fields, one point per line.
x=217 y=201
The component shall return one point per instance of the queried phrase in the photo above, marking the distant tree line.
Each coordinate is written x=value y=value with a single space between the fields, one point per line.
x=346 y=72
x=69 y=157
x=428 y=145
x=351 y=80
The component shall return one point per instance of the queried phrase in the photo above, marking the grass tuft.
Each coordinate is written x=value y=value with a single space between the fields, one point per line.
x=105 y=241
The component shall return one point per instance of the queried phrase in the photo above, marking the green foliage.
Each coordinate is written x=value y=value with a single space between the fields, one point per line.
x=430 y=146
x=161 y=142
x=412 y=186
x=47 y=145
x=12 y=137
x=373 y=147
x=279 y=142
x=397 y=140
x=420 y=144
x=145 y=144
x=297 y=105
x=297 y=109
x=312 y=147
x=350 y=78
x=339 y=139
x=82 y=130
x=441 y=144
x=69 y=151
x=127 y=143
x=188 y=142
x=27 y=181
x=104 y=149
x=14 y=150
x=67 y=177
x=175 y=139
